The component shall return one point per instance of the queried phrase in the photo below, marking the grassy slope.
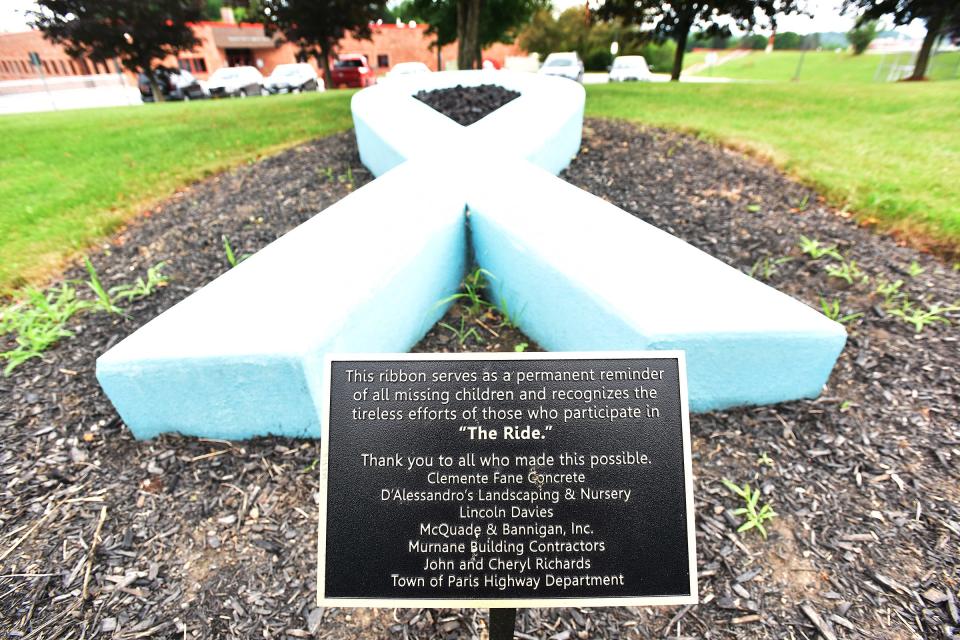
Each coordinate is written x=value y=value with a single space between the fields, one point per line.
x=69 y=178
x=888 y=151
x=827 y=66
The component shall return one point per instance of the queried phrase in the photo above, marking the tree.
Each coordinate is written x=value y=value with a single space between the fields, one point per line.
x=942 y=18
x=316 y=26
x=676 y=19
x=787 y=40
x=133 y=31
x=753 y=41
x=862 y=35
x=574 y=31
x=475 y=24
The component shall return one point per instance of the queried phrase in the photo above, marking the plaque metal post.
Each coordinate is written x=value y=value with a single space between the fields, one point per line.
x=502 y=623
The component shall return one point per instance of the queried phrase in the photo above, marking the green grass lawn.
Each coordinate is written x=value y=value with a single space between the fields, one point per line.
x=70 y=178
x=828 y=67
x=889 y=152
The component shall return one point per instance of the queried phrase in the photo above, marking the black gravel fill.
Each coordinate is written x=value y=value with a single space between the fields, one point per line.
x=466 y=105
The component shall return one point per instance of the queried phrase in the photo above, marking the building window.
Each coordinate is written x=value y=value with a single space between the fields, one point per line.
x=199 y=65
x=383 y=61
x=184 y=64
x=84 y=68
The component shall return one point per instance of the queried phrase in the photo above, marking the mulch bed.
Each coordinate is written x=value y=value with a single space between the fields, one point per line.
x=214 y=539
x=466 y=105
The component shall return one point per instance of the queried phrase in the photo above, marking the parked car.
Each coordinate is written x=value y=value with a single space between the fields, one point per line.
x=408 y=68
x=235 y=81
x=626 y=68
x=292 y=78
x=175 y=84
x=352 y=70
x=566 y=64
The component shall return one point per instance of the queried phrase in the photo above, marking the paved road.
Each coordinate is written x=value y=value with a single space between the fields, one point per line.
x=601 y=78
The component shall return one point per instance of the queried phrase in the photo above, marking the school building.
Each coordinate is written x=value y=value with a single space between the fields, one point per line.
x=227 y=43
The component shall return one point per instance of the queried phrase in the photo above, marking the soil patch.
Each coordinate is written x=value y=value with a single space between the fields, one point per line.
x=466 y=105
x=215 y=539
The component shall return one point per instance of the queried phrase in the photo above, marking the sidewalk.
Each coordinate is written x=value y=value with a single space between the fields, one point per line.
x=75 y=92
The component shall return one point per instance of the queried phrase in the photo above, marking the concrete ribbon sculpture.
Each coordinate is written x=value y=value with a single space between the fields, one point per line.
x=243 y=356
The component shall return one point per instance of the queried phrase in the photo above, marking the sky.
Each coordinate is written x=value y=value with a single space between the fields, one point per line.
x=826 y=17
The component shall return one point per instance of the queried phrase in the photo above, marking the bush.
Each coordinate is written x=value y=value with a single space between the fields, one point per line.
x=659 y=57
x=597 y=60
x=861 y=37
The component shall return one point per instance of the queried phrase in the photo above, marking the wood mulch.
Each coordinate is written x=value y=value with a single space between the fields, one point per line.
x=102 y=536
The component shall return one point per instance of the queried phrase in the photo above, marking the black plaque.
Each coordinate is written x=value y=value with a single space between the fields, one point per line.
x=506 y=479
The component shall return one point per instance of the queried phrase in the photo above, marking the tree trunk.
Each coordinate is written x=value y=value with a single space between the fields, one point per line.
x=325 y=66
x=934 y=24
x=683 y=30
x=462 y=10
x=468 y=34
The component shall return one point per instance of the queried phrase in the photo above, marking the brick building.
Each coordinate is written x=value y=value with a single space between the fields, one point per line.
x=231 y=44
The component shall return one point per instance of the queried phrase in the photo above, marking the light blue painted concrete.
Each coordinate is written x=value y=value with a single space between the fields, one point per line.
x=543 y=125
x=579 y=274
x=239 y=358
x=243 y=356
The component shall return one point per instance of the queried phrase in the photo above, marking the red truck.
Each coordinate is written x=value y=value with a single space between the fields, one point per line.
x=352 y=70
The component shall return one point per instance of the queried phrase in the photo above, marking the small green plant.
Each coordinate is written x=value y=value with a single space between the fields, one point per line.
x=847 y=271
x=328 y=174
x=37 y=322
x=753 y=208
x=915 y=269
x=765 y=267
x=846 y=404
x=141 y=288
x=463 y=332
x=816 y=250
x=832 y=310
x=520 y=347
x=507 y=318
x=473 y=286
x=804 y=203
x=890 y=291
x=104 y=300
x=232 y=258
x=753 y=517
x=346 y=178
x=920 y=318
x=765 y=460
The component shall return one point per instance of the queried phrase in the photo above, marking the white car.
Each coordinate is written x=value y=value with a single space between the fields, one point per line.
x=566 y=64
x=629 y=68
x=235 y=81
x=293 y=78
x=408 y=68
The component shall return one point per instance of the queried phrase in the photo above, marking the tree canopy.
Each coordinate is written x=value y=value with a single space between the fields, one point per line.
x=942 y=18
x=862 y=35
x=136 y=32
x=676 y=19
x=573 y=30
x=316 y=26
x=474 y=23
